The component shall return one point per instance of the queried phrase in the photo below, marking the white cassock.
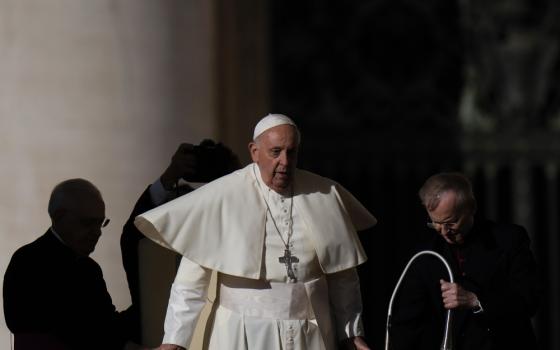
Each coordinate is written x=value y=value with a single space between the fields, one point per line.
x=239 y=227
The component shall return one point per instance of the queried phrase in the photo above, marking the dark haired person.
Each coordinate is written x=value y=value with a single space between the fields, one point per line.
x=189 y=164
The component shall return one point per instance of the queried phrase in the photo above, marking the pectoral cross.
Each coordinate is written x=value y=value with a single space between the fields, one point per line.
x=287 y=260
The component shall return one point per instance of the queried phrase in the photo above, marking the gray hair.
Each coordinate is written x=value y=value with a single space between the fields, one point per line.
x=430 y=193
x=68 y=192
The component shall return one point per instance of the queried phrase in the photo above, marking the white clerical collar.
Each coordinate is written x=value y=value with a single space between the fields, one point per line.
x=58 y=236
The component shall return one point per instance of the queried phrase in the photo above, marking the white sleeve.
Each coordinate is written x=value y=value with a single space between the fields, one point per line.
x=346 y=303
x=187 y=298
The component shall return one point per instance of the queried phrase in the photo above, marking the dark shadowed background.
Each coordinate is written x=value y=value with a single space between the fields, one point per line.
x=388 y=92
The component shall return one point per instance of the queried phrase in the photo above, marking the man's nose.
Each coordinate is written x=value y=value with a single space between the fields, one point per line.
x=284 y=159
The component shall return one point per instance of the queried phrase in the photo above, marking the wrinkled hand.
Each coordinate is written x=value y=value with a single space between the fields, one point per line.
x=183 y=163
x=170 y=347
x=454 y=296
x=354 y=343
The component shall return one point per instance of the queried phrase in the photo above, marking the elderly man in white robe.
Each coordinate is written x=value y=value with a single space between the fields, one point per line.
x=284 y=243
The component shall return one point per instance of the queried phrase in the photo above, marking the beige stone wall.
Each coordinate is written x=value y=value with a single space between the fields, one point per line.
x=98 y=89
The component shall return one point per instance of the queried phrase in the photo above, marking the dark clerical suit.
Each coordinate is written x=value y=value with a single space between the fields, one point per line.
x=496 y=264
x=52 y=293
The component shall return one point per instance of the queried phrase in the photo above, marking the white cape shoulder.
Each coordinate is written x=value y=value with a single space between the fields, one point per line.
x=213 y=225
x=221 y=225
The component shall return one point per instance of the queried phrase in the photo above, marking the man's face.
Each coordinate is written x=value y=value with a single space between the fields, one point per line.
x=275 y=151
x=450 y=222
x=80 y=226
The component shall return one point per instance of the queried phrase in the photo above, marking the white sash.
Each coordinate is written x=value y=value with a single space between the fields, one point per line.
x=282 y=301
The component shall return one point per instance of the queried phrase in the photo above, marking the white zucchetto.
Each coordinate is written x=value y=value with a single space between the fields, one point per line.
x=271 y=121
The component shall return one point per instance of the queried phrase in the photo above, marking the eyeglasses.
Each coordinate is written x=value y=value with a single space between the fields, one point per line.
x=438 y=225
x=94 y=223
x=105 y=222
x=89 y=223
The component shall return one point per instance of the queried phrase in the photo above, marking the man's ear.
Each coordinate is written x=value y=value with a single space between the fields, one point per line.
x=254 y=151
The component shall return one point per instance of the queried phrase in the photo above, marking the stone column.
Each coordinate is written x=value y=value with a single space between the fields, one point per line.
x=242 y=71
x=103 y=90
x=551 y=172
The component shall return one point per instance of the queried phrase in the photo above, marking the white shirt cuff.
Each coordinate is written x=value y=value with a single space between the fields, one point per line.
x=158 y=194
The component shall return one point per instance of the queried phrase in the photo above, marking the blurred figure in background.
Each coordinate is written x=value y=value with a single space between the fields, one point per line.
x=189 y=164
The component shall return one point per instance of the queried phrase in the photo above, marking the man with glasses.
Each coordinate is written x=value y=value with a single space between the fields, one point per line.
x=495 y=293
x=55 y=296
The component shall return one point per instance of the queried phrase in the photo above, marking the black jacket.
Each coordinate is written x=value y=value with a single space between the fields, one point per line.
x=48 y=289
x=498 y=267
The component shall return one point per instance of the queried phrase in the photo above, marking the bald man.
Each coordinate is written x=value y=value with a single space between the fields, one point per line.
x=284 y=243
x=55 y=296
